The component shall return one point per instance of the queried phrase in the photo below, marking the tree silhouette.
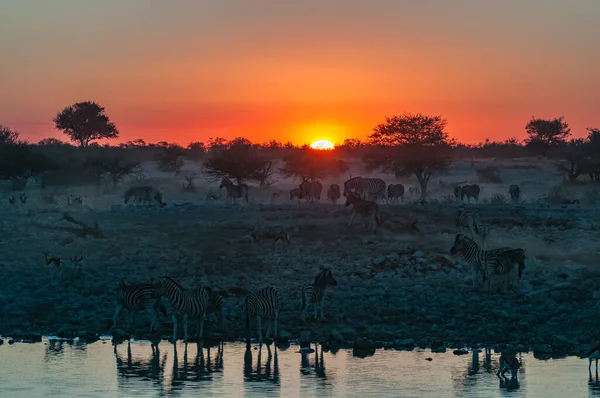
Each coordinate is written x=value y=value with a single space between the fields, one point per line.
x=170 y=158
x=85 y=122
x=8 y=136
x=238 y=160
x=20 y=162
x=309 y=164
x=412 y=143
x=545 y=134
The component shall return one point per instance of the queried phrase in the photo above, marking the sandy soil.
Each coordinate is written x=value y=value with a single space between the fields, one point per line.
x=397 y=284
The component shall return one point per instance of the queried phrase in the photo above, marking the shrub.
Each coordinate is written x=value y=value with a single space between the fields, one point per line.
x=489 y=174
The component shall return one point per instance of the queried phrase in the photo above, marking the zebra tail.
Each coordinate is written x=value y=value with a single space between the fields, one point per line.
x=302 y=298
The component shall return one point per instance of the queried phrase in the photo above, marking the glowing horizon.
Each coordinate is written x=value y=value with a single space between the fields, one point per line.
x=233 y=68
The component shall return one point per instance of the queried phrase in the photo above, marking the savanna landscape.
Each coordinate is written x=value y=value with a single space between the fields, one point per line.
x=397 y=285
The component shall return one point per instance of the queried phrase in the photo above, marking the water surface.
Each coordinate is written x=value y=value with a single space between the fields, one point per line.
x=59 y=369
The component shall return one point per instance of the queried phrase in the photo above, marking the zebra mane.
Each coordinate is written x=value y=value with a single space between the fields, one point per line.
x=174 y=282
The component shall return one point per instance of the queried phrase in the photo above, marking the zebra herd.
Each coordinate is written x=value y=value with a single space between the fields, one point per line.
x=201 y=301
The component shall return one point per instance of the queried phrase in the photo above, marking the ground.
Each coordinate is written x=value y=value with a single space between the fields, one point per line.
x=396 y=284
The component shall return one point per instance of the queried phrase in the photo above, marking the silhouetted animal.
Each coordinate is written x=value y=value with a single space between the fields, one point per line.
x=234 y=191
x=315 y=292
x=364 y=186
x=135 y=297
x=395 y=191
x=470 y=191
x=333 y=193
x=508 y=362
x=515 y=192
x=265 y=303
x=144 y=194
x=311 y=190
x=367 y=209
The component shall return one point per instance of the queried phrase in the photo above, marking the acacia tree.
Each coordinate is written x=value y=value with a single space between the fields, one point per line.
x=546 y=134
x=238 y=160
x=309 y=164
x=8 y=136
x=85 y=122
x=410 y=144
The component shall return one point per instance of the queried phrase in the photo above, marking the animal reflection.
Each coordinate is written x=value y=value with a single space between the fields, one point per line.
x=149 y=369
x=202 y=368
x=508 y=362
x=319 y=365
x=268 y=375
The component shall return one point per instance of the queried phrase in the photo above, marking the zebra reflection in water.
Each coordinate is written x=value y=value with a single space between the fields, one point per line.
x=148 y=369
x=319 y=363
x=201 y=370
x=269 y=375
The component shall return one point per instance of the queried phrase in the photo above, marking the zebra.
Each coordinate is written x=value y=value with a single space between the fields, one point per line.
x=264 y=303
x=281 y=240
x=458 y=192
x=55 y=261
x=395 y=191
x=315 y=292
x=509 y=362
x=333 y=193
x=73 y=200
x=296 y=193
x=189 y=303
x=144 y=194
x=470 y=191
x=594 y=351
x=515 y=192
x=469 y=219
x=135 y=297
x=364 y=186
x=311 y=190
x=499 y=262
x=366 y=208
x=216 y=303
x=234 y=191
x=23 y=198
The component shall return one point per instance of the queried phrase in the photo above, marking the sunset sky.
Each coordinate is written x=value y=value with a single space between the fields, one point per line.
x=188 y=70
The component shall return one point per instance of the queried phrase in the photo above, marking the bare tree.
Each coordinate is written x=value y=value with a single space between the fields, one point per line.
x=8 y=136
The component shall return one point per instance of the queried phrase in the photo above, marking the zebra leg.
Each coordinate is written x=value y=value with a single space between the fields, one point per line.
x=174 y=318
x=185 y=327
x=352 y=218
x=260 y=337
x=152 y=313
x=276 y=321
x=117 y=310
x=315 y=308
x=201 y=328
x=322 y=303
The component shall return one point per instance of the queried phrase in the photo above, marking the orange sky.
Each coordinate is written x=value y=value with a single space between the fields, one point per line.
x=191 y=70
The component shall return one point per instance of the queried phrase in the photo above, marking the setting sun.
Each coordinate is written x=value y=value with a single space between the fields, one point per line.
x=322 y=145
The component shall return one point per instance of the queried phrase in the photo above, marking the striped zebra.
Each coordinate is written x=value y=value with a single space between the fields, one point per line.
x=315 y=292
x=395 y=191
x=143 y=194
x=515 y=192
x=367 y=209
x=296 y=193
x=216 y=303
x=265 y=303
x=311 y=190
x=469 y=219
x=488 y=263
x=457 y=193
x=333 y=193
x=234 y=191
x=363 y=186
x=189 y=303
x=509 y=362
x=470 y=191
x=136 y=297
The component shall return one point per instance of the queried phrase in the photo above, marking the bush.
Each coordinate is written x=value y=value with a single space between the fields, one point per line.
x=556 y=196
x=498 y=199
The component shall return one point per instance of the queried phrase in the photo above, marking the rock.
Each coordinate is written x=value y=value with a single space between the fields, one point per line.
x=439 y=349
x=460 y=352
x=429 y=359
x=1 y=341
x=11 y=342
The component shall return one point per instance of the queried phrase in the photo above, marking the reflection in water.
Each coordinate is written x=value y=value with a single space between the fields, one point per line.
x=251 y=376
x=63 y=368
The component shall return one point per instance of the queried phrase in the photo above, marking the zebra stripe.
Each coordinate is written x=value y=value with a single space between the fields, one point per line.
x=458 y=193
x=367 y=209
x=315 y=292
x=470 y=191
x=215 y=305
x=395 y=191
x=333 y=193
x=494 y=262
x=469 y=219
x=191 y=303
x=143 y=194
x=364 y=186
x=136 y=297
x=234 y=191
x=265 y=303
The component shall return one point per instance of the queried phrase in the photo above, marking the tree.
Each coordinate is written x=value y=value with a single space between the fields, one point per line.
x=412 y=143
x=170 y=158
x=51 y=142
x=115 y=168
x=545 y=134
x=574 y=162
x=238 y=160
x=8 y=136
x=85 y=122
x=19 y=162
x=591 y=148
x=309 y=164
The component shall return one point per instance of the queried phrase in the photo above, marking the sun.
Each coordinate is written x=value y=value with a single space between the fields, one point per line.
x=322 y=145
